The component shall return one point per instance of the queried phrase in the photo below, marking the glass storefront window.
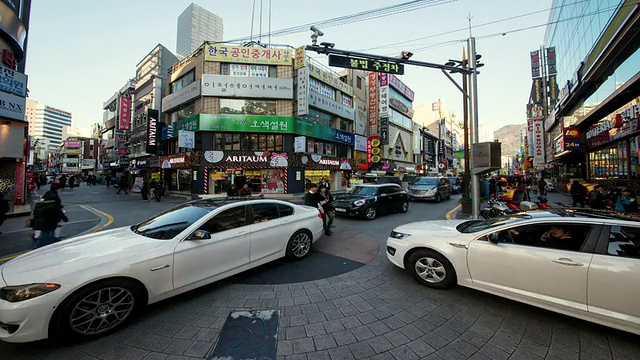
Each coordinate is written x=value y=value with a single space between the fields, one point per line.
x=183 y=112
x=318 y=117
x=399 y=119
x=254 y=142
x=609 y=162
x=248 y=107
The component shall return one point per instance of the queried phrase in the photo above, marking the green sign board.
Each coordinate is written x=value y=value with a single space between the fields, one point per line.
x=262 y=124
x=236 y=123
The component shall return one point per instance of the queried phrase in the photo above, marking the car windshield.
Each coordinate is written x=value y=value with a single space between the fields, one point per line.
x=363 y=191
x=426 y=181
x=472 y=226
x=172 y=222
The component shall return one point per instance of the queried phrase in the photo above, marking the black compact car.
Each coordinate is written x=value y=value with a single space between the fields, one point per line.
x=368 y=201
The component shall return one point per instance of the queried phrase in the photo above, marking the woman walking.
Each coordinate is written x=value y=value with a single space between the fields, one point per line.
x=145 y=191
x=325 y=199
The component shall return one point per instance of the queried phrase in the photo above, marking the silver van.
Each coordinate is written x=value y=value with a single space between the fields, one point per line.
x=430 y=188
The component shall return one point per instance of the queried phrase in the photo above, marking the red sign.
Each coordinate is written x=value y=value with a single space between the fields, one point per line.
x=9 y=59
x=572 y=133
x=31 y=183
x=122 y=151
x=373 y=103
x=125 y=114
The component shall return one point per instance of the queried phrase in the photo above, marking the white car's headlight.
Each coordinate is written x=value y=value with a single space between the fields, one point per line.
x=26 y=292
x=398 y=235
x=359 y=202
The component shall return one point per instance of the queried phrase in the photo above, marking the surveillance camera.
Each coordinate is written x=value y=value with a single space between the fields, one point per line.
x=316 y=30
x=328 y=45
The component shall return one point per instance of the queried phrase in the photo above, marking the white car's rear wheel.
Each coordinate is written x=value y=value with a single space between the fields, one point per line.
x=299 y=245
x=97 y=309
x=431 y=269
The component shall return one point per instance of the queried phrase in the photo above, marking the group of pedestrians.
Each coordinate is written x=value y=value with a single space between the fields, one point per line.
x=621 y=199
x=321 y=198
x=244 y=191
x=154 y=187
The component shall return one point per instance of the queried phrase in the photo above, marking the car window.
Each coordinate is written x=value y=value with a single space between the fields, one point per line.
x=363 y=191
x=389 y=190
x=264 y=212
x=624 y=241
x=172 y=222
x=226 y=220
x=559 y=236
x=426 y=181
x=285 y=210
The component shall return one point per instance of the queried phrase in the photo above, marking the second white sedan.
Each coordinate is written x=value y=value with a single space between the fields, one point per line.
x=575 y=264
x=91 y=285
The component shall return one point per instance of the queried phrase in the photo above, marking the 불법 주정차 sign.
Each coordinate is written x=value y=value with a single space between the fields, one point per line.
x=365 y=64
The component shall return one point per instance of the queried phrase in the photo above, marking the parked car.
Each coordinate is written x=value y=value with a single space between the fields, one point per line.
x=571 y=262
x=430 y=188
x=367 y=201
x=91 y=285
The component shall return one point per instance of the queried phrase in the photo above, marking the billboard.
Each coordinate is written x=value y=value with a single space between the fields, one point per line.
x=124 y=121
x=152 y=131
x=538 y=142
x=247 y=87
x=373 y=104
x=248 y=55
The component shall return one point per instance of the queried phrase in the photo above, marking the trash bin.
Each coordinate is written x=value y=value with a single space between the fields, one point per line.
x=485 y=189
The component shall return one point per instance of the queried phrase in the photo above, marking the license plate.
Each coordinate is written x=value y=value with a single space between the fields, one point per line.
x=341 y=210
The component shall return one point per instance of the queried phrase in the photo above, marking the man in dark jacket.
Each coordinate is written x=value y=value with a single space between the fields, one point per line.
x=310 y=196
x=123 y=185
x=578 y=193
x=245 y=191
x=46 y=216
x=233 y=191
x=597 y=199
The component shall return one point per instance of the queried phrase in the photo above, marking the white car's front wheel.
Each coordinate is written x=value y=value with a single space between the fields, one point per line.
x=299 y=245
x=97 y=309
x=431 y=269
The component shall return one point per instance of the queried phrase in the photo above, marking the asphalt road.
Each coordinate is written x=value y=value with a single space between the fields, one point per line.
x=375 y=311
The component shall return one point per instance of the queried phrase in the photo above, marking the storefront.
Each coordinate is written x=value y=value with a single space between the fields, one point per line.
x=264 y=171
x=613 y=146
x=180 y=171
x=314 y=168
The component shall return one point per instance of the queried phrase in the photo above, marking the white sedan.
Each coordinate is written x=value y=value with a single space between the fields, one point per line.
x=91 y=285
x=586 y=266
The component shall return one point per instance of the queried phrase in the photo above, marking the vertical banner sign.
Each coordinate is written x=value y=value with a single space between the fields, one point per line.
x=551 y=61
x=124 y=122
x=384 y=130
x=384 y=101
x=535 y=64
x=152 y=131
x=538 y=142
x=303 y=91
x=441 y=154
x=300 y=58
x=537 y=94
x=530 y=137
x=553 y=90
x=373 y=104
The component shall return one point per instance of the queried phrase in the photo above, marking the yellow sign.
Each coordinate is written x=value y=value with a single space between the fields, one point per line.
x=247 y=55
x=375 y=151
x=375 y=142
x=300 y=59
x=155 y=176
x=219 y=176
x=375 y=159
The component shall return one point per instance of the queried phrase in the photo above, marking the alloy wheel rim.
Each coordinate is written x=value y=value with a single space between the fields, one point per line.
x=301 y=245
x=101 y=310
x=430 y=270
x=371 y=213
x=405 y=207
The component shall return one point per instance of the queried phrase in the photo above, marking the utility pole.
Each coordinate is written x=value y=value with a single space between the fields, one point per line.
x=473 y=97
x=467 y=143
x=543 y=69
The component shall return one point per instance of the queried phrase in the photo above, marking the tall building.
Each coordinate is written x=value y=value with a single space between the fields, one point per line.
x=73 y=131
x=47 y=123
x=195 y=26
x=593 y=131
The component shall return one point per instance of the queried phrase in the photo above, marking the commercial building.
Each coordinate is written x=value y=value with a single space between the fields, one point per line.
x=152 y=74
x=73 y=131
x=232 y=120
x=442 y=122
x=195 y=26
x=115 y=127
x=14 y=26
x=47 y=123
x=78 y=155
x=593 y=128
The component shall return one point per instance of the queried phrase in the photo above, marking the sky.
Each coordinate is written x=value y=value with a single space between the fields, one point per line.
x=81 y=52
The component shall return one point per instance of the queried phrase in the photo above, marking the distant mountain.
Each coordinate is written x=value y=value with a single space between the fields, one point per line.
x=509 y=136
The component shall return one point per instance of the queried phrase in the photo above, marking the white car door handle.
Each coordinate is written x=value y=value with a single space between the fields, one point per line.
x=566 y=261
x=242 y=233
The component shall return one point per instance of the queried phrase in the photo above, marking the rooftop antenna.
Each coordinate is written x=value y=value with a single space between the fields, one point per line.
x=469 y=18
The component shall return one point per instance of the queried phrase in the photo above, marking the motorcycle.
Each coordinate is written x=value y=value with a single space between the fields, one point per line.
x=499 y=208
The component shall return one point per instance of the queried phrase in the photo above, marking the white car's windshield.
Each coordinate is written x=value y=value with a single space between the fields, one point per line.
x=472 y=226
x=170 y=223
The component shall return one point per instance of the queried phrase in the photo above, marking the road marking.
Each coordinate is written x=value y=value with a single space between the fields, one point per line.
x=7 y=258
x=452 y=211
x=103 y=214
x=65 y=224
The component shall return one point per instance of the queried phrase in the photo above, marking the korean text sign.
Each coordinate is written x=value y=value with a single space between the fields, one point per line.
x=373 y=103
x=124 y=122
x=251 y=87
x=249 y=55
